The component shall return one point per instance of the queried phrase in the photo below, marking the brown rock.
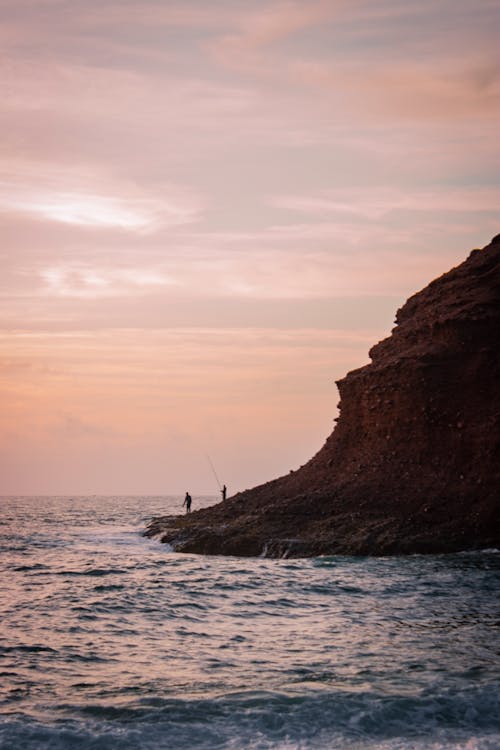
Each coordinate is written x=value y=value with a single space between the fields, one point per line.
x=413 y=463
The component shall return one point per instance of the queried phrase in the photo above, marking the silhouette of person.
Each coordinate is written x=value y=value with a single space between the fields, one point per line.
x=187 y=502
x=224 y=492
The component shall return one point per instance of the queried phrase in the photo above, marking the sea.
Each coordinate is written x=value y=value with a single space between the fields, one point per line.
x=112 y=641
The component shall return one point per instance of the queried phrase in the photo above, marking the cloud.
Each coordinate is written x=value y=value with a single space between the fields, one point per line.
x=90 y=198
x=411 y=90
x=429 y=75
x=376 y=202
x=92 y=283
x=264 y=26
x=81 y=209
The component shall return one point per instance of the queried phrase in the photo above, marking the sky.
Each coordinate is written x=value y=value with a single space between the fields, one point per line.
x=209 y=213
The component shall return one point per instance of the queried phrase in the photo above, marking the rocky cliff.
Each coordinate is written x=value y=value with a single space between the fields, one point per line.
x=413 y=464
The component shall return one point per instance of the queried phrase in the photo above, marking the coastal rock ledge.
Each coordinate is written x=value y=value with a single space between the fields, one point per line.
x=413 y=465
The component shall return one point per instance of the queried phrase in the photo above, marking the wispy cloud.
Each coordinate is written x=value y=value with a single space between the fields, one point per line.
x=91 y=283
x=264 y=25
x=411 y=90
x=88 y=198
x=84 y=210
x=377 y=201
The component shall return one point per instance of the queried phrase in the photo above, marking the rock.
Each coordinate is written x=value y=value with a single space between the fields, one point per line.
x=412 y=465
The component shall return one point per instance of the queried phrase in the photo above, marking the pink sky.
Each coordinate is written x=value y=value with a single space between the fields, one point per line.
x=210 y=212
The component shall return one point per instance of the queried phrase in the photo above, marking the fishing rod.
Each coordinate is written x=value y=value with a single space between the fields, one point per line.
x=214 y=472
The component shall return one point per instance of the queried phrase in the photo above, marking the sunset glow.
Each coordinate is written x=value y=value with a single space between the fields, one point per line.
x=211 y=211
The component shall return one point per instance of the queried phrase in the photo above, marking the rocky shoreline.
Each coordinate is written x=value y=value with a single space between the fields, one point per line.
x=413 y=465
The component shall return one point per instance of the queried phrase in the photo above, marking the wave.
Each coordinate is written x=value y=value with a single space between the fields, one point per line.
x=467 y=720
x=93 y=572
x=29 y=568
x=26 y=649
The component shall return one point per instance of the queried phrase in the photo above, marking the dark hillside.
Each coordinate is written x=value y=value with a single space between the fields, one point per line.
x=413 y=464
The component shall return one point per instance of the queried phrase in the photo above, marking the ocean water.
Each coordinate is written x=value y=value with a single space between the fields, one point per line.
x=110 y=640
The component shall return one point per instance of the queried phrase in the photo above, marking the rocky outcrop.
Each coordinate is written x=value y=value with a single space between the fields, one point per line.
x=413 y=464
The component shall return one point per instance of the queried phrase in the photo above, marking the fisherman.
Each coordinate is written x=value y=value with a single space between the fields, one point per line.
x=187 y=502
x=224 y=492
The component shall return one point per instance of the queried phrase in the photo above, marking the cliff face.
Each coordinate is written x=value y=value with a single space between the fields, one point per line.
x=413 y=464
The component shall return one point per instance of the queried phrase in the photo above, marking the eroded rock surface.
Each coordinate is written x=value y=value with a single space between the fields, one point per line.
x=413 y=463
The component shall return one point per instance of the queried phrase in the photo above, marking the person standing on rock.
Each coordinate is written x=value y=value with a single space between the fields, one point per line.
x=187 y=502
x=223 y=492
